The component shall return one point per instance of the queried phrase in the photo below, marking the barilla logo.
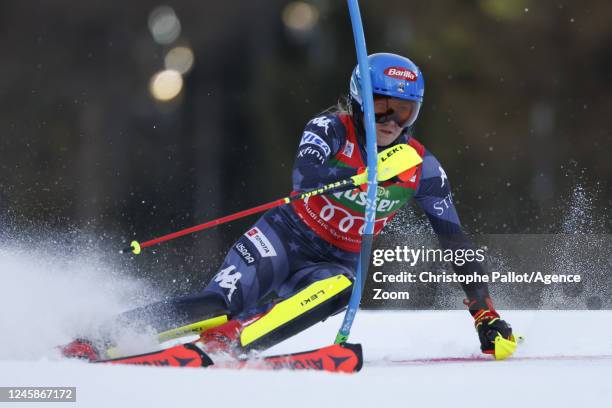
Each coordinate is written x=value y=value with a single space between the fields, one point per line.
x=401 y=73
x=252 y=232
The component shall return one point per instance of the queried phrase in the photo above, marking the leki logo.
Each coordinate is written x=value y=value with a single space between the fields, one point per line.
x=401 y=73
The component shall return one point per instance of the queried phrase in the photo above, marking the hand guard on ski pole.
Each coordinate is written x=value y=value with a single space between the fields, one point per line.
x=397 y=161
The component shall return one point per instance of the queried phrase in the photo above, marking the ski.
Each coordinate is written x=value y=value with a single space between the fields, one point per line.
x=337 y=358
x=183 y=355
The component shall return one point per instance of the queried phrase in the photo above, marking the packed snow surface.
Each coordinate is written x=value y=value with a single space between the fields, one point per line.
x=47 y=298
x=387 y=337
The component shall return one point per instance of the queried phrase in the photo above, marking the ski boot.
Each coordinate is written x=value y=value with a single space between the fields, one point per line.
x=495 y=335
x=82 y=349
x=225 y=339
x=222 y=339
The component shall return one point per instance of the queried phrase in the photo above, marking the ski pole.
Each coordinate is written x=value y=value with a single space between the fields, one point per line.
x=399 y=160
x=342 y=185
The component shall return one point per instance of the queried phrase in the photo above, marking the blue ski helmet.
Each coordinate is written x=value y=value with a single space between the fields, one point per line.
x=394 y=76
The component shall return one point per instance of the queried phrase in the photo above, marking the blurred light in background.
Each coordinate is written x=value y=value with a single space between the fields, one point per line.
x=164 y=25
x=179 y=59
x=505 y=9
x=166 y=85
x=300 y=16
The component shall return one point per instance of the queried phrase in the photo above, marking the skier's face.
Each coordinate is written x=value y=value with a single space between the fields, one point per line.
x=386 y=133
x=391 y=114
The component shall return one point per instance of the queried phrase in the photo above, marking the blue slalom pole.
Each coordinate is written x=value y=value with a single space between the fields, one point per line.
x=372 y=161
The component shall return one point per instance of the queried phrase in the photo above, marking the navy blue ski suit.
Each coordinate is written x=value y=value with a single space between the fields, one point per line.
x=280 y=254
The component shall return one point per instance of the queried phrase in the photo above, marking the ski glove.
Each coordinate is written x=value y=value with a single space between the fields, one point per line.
x=489 y=325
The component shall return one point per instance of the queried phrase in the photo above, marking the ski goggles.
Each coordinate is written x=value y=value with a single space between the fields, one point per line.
x=400 y=111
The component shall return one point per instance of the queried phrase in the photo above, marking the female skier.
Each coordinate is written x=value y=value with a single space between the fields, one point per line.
x=296 y=265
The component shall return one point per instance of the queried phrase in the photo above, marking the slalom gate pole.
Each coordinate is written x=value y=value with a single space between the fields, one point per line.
x=337 y=186
x=370 y=210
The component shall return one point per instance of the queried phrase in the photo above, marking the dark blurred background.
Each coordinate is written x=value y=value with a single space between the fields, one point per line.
x=131 y=120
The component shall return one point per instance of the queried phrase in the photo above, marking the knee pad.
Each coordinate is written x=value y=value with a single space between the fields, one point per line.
x=315 y=303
